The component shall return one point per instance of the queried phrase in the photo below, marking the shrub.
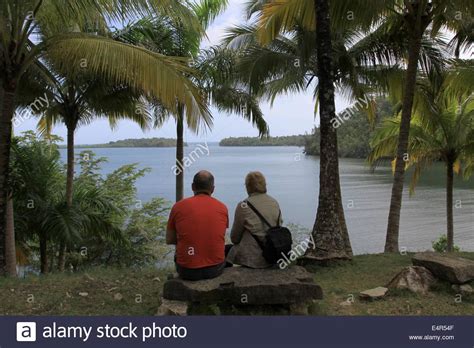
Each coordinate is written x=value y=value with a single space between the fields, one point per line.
x=441 y=245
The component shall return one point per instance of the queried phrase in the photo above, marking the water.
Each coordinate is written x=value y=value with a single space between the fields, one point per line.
x=292 y=179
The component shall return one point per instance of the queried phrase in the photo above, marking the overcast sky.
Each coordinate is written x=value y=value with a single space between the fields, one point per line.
x=290 y=114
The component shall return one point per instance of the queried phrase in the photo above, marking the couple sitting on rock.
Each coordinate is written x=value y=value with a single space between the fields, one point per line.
x=197 y=227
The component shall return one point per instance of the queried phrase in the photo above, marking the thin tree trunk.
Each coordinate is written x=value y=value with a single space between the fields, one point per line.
x=43 y=254
x=329 y=231
x=69 y=190
x=393 y=227
x=52 y=257
x=10 y=249
x=449 y=205
x=180 y=154
x=70 y=166
x=7 y=97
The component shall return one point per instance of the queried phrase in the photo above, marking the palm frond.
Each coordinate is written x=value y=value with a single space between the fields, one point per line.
x=151 y=73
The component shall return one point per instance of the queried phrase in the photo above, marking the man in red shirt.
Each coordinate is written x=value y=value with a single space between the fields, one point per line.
x=197 y=226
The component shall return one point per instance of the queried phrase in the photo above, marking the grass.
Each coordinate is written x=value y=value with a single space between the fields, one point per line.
x=137 y=292
x=345 y=281
x=109 y=292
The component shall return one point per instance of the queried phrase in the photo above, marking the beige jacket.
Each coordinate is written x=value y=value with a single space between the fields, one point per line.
x=246 y=251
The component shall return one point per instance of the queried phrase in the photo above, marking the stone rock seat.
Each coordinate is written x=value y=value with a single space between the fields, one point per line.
x=244 y=287
x=456 y=270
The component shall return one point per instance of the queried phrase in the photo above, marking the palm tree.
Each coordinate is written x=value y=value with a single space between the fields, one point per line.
x=21 y=48
x=442 y=129
x=411 y=18
x=330 y=225
x=414 y=19
x=215 y=75
x=79 y=102
x=309 y=38
x=286 y=61
x=36 y=180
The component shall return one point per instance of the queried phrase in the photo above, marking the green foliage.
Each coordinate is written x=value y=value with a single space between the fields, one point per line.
x=354 y=134
x=442 y=126
x=291 y=140
x=146 y=231
x=36 y=181
x=441 y=245
x=105 y=225
x=141 y=226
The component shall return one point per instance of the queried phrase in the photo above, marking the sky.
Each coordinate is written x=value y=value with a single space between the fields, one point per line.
x=289 y=115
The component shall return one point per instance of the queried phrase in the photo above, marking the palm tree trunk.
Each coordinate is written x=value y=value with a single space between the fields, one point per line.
x=43 y=254
x=70 y=166
x=180 y=154
x=449 y=205
x=69 y=190
x=329 y=231
x=7 y=98
x=342 y=220
x=10 y=249
x=393 y=227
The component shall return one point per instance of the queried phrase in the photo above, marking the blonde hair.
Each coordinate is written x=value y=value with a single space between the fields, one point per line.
x=255 y=183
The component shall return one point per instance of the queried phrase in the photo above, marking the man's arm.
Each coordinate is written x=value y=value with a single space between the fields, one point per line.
x=171 y=237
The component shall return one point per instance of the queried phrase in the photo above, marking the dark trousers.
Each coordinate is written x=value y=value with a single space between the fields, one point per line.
x=200 y=273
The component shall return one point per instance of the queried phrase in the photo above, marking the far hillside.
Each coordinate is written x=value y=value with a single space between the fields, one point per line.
x=291 y=140
x=353 y=133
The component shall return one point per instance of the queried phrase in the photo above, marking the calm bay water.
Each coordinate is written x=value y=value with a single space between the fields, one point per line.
x=292 y=179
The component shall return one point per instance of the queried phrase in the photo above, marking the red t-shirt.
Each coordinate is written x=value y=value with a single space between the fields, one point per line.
x=200 y=223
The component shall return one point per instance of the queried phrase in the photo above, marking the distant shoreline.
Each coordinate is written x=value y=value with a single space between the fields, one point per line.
x=290 y=140
x=130 y=143
x=107 y=146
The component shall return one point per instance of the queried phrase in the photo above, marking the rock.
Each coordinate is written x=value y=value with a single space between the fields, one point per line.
x=464 y=289
x=373 y=294
x=345 y=304
x=245 y=286
x=169 y=307
x=456 y=270
x=414 y=278
x=118 y=297
x=88 y=276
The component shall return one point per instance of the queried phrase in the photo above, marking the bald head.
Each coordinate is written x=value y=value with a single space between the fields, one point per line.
x=203 y=182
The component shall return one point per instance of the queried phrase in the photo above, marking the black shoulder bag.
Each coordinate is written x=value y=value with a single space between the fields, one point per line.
x=278 y=239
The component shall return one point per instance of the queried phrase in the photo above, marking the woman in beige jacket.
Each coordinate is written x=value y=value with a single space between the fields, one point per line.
x=247 y=225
